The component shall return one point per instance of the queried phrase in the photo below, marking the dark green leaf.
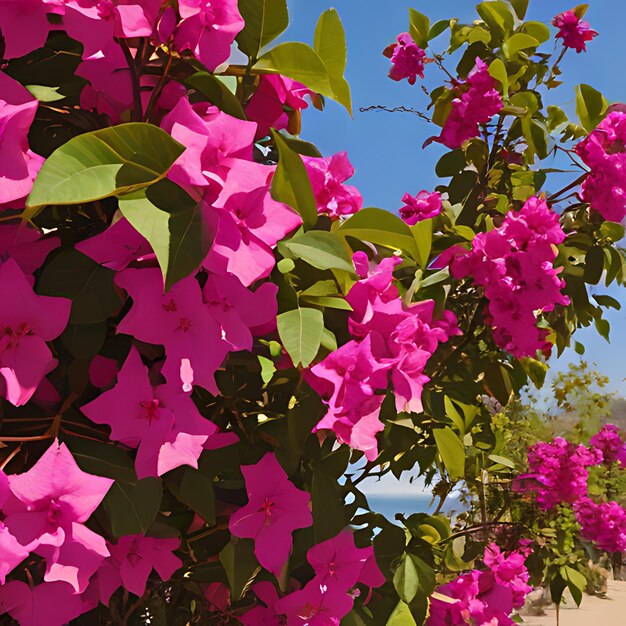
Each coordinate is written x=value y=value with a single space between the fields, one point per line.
x=321 y=249
x=328 y=507
x=520 y=6
x=265 y=20
x=89 y=285
x=102 y=459
x=381 y=228
x=300 y=331
x=437 y=28
x=196 y=491
x=83 y=341
x=240 y=564
x=451 y=450
x=594 y=265
x=132 y=508
x=103 y=163
x=603 y=327
x=608 y=302
x=291 y=183
x=172 y=223
x=217 y=93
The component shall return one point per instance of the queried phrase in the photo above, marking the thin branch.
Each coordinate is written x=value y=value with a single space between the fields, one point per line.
x=400 y=109
x=134 y=77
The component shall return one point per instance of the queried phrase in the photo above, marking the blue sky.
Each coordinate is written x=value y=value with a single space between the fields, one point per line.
x=386 y=149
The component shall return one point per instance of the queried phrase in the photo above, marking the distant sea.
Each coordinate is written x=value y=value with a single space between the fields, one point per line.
x=391 y=504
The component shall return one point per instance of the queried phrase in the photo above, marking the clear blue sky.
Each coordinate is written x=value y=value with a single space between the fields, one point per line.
x=386 y=148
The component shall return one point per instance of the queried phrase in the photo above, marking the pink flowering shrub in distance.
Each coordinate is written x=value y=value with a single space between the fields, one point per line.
x=209 y=341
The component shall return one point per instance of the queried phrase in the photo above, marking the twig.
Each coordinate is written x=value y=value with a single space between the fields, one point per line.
x=400 y=109
x=134 y=77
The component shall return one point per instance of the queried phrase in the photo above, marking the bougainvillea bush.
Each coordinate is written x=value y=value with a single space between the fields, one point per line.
x=208 y=342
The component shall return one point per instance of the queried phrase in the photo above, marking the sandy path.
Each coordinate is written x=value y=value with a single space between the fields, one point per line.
x=592 y=612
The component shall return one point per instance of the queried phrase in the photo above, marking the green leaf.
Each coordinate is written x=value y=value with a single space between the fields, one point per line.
x=330 y=46
x=328 y=507
x=612 y=230
x=423 y=235
x=497 y=70
x=437 y=28
x=103 y=163
x=45 y=94
x=419 y=28
x=406 y=580
x=502 y=460
x=328 y=302
x=240 y=564
x=497 y=15
x=520 y=7
x=603 y=327
x=576 y=582
x=518 y=42
x=556 y=117
x=580 y=10
x=300 y=331
x=381 y=228
x=300 y=62
x=268 y=369
x=172 y=223
x=401 y=616
x=196 y=491
x=321 y=288
x=83 y=341
x=265 y=20
x=285 y=266
x=102 y=459
x=217 y=93
x=594 y=265
x=452 y=451
x=608 y=302
x=89 y=286
x=132 y=508
x=591 y=106
x=320 y=249
x=291 y=183
x=538 y=30
x=579 y=348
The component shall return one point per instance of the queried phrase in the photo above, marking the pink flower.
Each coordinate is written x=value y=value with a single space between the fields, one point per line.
x=604 y=524
x=12 y=551
x=348 y=380
x=24 y=26
x=161 y=421
x=210 y=137
x=407 y=59
x=116 y=247
x=27 y=321
x=275 y=509
x=339 y=564
x=605 y=153
x=272 y=101
x=208 y=29
x=52 y=604
x=315 y=605
x=515 y=265
x=477 y=104
x=558 y=472
x=25 y=245
x=420 y=207
x=248 y=223
x=509 y=571
x=18 y=164
x=265 y=614
x=327 y=176
x=51 y=503
x=574 y=32
x=131 y=562
x=610 y=444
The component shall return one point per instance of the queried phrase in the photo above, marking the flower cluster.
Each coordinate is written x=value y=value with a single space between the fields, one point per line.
x=407 y=59
x=604 y=152
x=423 y=206
x=573 y=30
x=610 y=444
x=46 y=511
x=477 y=103
x=604 y=524
x=558 y=472
x=392 y=341
x=328 y=597
x=484 y=597
x=514 y=263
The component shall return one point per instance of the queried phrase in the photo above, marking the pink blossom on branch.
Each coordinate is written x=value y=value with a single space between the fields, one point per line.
x=327 y=175
x=573 y=30
x=610 y=444
x=275 y=509
x=604 y=524
x=604 y=152
x=27 y=322
x=423 y=206
x=478 y=102
x=407 y=59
